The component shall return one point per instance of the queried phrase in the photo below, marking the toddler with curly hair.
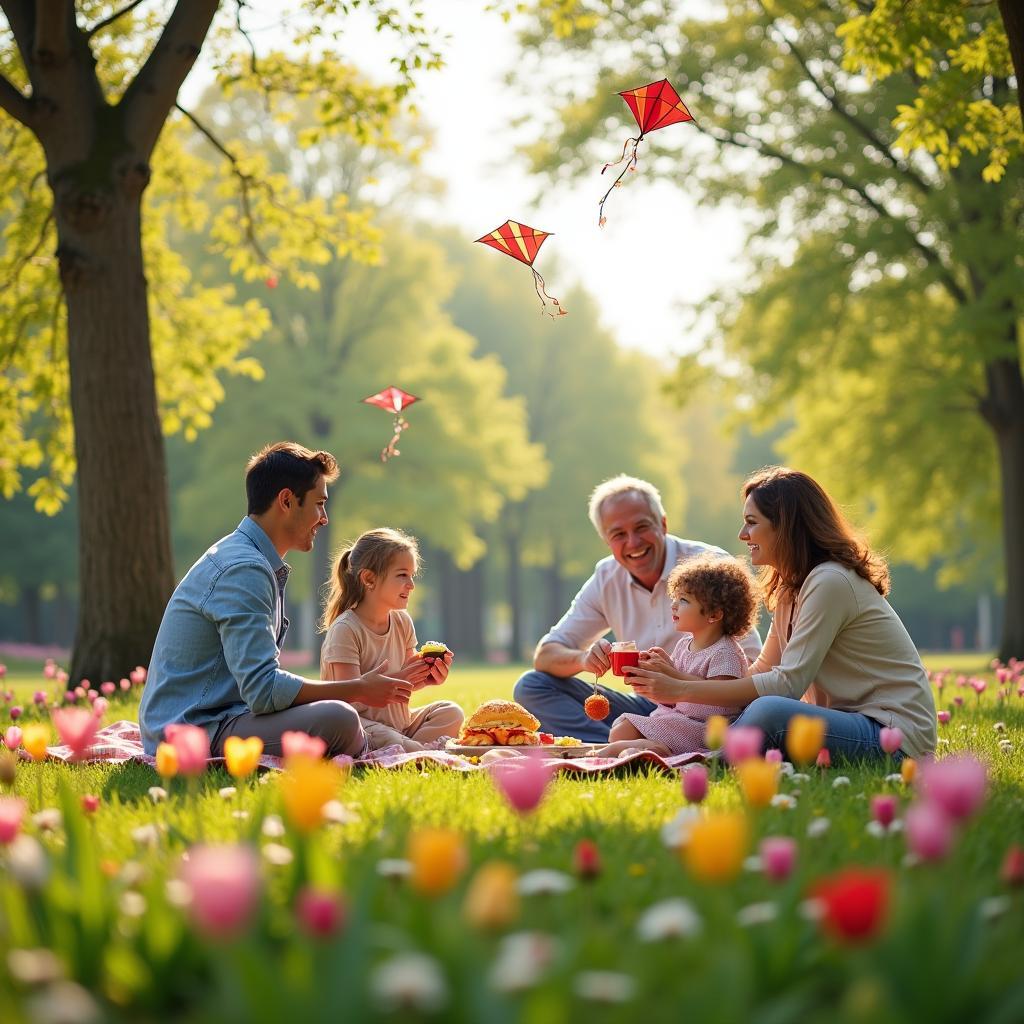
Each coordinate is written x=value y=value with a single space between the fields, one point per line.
x=714 y=601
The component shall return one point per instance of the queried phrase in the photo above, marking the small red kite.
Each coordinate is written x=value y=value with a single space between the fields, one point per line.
x=523 y=243
x=654 y=106
x=392 y=399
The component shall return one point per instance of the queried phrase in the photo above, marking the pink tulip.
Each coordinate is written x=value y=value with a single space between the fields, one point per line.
x=890 y=739
x=883 y=809
x=50 y=669
x=108 y=688
x=61 y=676
x=39 y=697
x=92 y=694
x=3 y=670
x=961 y=680
x=126 y=684
x=90 y=803
x=742 y=742
x=943 y=717
x=320 y=912
x=70 y=696
x=300 y=744
x=824 y=758
x=929 y=831
x=80 y=691
x=958 y=701
x=979 y=686
x=695 y=783
x=12 y=737
x=224 y=882
x=956 y=784
x=522 y=781
x=15 y=712
x=137 y=675
x=99 y=707
x=76 y=728
x=773 y=756
x=778 y=856
x=192 y=746
x=12 y=812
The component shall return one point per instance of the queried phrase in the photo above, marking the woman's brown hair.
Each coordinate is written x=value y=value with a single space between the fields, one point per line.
x=810 y=529
x=373 y=551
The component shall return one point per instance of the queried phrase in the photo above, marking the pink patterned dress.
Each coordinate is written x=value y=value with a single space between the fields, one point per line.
x=680 y=727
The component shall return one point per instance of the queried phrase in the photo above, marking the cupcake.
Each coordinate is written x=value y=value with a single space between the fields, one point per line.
x=432 y=650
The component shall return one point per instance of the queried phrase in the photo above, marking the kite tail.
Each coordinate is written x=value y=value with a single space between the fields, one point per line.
x=542 y=294
x=400 y=424
x=631 y=162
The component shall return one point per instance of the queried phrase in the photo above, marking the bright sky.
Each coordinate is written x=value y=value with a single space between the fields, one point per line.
x=658 y=249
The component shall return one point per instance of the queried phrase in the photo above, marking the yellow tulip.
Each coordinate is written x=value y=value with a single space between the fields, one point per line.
x=759 y=781
x=804 y=738
x=492 y=900
x=35 y=737
x=242 y=757
x=717 y=846
x=714 y=731
x=166 y=760
x=438 y=858
x=908 y=770
x=306 y=785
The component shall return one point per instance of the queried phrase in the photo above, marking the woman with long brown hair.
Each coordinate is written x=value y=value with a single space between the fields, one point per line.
x=836 y=649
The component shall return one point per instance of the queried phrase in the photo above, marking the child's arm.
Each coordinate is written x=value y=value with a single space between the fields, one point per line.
x=664 y=689
x=422 y=673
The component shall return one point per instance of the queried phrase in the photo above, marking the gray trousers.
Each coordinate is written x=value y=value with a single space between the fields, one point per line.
x=334 y=721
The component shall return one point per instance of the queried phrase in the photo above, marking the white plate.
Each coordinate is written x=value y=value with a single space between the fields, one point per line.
x=549 y=749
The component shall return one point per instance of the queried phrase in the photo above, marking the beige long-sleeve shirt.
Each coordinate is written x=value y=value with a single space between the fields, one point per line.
x=841 y=643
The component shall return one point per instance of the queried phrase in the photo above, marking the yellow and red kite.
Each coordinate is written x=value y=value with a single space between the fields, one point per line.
x=654 y=106
x=392 y=399
x=523 y=243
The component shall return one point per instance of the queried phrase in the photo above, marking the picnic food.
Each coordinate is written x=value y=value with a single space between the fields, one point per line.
x=502 y=723
x=432 y=649
x=597 y=707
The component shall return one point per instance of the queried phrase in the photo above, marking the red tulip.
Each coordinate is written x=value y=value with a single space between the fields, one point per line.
x=883 y=808
x=586 y=859
x=855 y=903
x=1012 y=871
x=320 y=912
x=824 y=759
x=90 y=803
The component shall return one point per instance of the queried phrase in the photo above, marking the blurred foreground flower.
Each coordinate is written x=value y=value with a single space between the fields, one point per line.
x=695 y=783
x=492 y=899
x=545 y=882
x=242 y=756
x=883 y=808
x=908 y=770
x=522 y=781
x=742 y=742
x=604 y=986
x=805 y=736
x=759 y=781
x=224 y=888
x=306 y=786
x=522 y=960
x=409 y=981
x=929 y=830
x=716 y=846
x=714 y=731
x=63 y=1002
x=855 y=902
x=956 y=784
x=12 y=814
x=438 y=858
x=166 y=761
x=34 y=738
x=76 y=728
x=778 y=856
x=320 y=912
x=192 y=745
x=1012 y=871
x=586 y=859
x=300 y=744
x=669 y=919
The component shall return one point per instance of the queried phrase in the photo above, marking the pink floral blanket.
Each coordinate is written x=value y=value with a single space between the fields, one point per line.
x=121 y=742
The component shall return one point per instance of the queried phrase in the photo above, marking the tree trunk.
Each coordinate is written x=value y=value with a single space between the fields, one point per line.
x=30 y=607
x=553 y=581
x=1012 y=12
x=513 y=549
x=126 y=572
x=462 y=599
x=63 y=620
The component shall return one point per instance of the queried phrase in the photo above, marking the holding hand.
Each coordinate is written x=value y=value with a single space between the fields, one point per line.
x=656 y=686
x=598 y=658
x=657 y=660
x=439 y=670
x=415 y=671
x=379 y=690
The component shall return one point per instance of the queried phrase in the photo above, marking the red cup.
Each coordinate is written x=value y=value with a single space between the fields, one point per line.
x=622 y=658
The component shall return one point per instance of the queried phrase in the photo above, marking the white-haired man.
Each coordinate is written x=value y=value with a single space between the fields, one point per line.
x=626 y=595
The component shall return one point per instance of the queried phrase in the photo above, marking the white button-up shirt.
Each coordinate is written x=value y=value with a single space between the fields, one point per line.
x=613 y=600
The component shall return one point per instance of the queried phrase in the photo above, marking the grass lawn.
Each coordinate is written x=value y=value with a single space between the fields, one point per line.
x=456 y=944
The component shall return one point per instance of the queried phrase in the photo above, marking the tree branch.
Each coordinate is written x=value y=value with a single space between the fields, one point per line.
x=19 y=17
x=100 y=25
x=15 y=102
x=152 y=93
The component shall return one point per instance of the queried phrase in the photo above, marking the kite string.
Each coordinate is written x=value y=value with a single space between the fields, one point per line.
x=631 y=163
x=400 y=424
x=542 y=294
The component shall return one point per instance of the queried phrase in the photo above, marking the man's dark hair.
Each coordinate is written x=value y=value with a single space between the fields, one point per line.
x=285 y=465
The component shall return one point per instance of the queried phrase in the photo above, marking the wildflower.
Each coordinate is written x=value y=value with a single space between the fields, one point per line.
x=805 y=735
x=855 y=902
x=545 y=882
x=306 y=786
x=242 y=756
x=522 y=960
x=717 y=846
x=817 y=827
x=12 y=737
x=157 y=794
x=492 y=899
x=49 y=819
x=839 y=781
x=15 y=712
x=1006 y=746
x=192 y=747
x=300 y=744
x=714 y=731
x=908 y=770
x=759 y=781
x=277 y=855
x=757 y=913
x=695 y=783
x=409 y=981
x=742 y=742
x=773 y=756
x=1012 y=871
x=438 y=858
x=883 y=808
x=26 y=862
x=824 y=758
x=145 y=835
x=137 y=675
x=522 y=782
x=676 y=832
x=335 y=812
x=34 y=738
x=929 y=831
x=108 y=689
x=273 y=826
x=586 y=859
x=320 y=912
x=994 y=906
x=957 y=784
x=99 y=708
x=393 y=867
x=890 y=739
x=669 y=919
x=778 y=856
x=76 y=728
x=63 y=1002
x=784 y=800
x=799 y=777
x=34 y=966
x=224 y=882
x=12 y=814
x=90 y=803
x=166 y=760
x=132 y=904
x=999 y=726
x=604 y=986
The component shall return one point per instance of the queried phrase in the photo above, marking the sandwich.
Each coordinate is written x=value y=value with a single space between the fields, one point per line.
x=502 y=723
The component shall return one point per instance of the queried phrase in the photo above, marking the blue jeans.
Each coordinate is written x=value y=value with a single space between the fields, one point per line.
x=558 y=703
x=848 y=734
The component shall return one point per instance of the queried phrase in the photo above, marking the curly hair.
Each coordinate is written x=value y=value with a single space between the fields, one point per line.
x=719 y=584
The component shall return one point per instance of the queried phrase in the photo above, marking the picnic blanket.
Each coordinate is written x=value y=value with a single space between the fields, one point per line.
x=121 y=742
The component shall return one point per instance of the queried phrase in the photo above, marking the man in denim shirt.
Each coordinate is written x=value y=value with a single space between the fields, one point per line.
x=216 y=661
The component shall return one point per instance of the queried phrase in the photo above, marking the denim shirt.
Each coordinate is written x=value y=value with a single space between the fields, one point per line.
x=217 y=651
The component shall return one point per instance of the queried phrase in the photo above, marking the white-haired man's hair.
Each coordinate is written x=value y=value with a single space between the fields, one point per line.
x=623 y=484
